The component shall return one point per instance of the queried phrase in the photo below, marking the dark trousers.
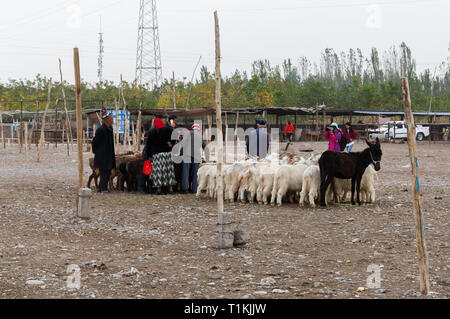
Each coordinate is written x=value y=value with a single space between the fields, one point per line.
x=142 y=177
x=186 y=174
x=289 y=136
x=104 y=180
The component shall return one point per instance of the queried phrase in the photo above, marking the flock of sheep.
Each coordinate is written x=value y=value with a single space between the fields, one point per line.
x=280 y=178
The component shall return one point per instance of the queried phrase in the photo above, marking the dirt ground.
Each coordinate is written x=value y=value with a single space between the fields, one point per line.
x=144 y=246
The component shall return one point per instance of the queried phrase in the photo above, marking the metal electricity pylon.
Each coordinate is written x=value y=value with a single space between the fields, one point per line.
x=148 y=57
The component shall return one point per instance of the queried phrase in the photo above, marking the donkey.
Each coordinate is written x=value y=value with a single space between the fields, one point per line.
x=348 y=166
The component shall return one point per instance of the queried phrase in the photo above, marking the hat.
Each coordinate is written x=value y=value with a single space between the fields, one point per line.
x=335 y=125
x=172 y=117
x=262 y=122
x=107 y=115
x=158 y=123
x=196 y=127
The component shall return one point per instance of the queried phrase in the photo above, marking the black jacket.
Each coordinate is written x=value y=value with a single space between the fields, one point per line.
x=103 y=148
x=157 y=141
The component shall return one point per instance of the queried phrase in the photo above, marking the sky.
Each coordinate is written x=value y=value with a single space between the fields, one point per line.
x=34 y=34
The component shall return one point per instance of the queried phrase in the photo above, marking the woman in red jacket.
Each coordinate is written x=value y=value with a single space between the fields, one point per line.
x=289 y=131
x=350 y=135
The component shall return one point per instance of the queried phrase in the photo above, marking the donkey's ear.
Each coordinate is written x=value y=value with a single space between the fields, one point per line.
x=377 y=142
x=368 y=143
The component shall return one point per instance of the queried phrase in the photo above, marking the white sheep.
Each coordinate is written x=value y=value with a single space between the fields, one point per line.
x=368 y=194
x=203 y=179
x=288 y=179
x=265 y=178
x=248 y=183
x=311 y=186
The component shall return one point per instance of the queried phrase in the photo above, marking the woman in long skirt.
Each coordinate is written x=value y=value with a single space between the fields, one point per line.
x=159 y=148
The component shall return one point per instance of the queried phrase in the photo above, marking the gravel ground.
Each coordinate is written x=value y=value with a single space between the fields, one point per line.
x=143 y=246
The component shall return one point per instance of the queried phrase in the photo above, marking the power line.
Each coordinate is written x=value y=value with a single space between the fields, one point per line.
x=81 y=16
x=47 y=12
x=325 y=6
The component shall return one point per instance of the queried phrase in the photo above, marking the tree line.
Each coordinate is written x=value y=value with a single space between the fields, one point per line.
x=345 y=80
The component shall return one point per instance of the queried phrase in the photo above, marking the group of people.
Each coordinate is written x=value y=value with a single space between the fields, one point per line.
x=335 y=136
x=167 y=176
x=160 y=148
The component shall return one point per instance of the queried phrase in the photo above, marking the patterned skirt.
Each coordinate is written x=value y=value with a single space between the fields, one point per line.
x=163 y=173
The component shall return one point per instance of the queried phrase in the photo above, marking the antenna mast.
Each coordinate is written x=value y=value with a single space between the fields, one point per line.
x=100 y=54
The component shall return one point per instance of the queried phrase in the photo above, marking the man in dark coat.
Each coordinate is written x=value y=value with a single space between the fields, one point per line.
x=258 y=141
x=103 y=148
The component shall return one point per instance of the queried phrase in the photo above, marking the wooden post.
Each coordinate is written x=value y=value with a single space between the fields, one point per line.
x=1 y=124
x=21 y=127
x=117 y=127
x=68 y=124
x=133 y=136
x=26 y=142
x=36 y=123
x=63 y=127
x=56 y=125
x=42 y=139
x=87 y=134
x=236 y=137
x=174 y=92
x=139 y=131
x=190 y=85
x=225 y=149
x=126 y=131
x=209 y=127
x=226 y=237
x=417 y=198
x=76 y=59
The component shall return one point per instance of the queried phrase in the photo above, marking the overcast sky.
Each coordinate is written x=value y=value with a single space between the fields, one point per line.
x=33 y=34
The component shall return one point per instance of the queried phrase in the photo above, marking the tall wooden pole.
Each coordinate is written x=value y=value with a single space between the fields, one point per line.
x=76 y=59
x=116 y=104
x=36 y=122
x=26 y=142
x=174 y=92
x=21 y=126
x=190 y=85
x=42 y=139
x=139 y=131
x=56 y=125
x=126 y=131
x=68 y=125
x=417 y=198
x=219 y=137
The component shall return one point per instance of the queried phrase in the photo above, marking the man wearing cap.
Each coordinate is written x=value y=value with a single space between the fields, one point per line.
x=258 y=141
x=103 y=148
x=334 y=135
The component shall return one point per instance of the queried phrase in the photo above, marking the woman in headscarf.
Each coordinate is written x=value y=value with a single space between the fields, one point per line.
x=334 y=135
x=159 y=149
